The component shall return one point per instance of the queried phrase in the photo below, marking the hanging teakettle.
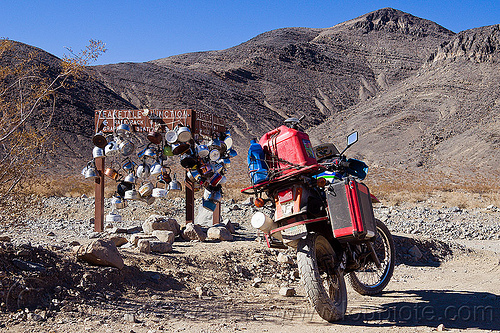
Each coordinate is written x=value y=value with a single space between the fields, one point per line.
x=209 y=204
x=143 y=170
x=111 y=172
x=194 y=176
x=154 y=137
x=132 y=194
x=129 y=165
x=111 y=148
x=97 y=152
x=150 y=152
x=123 y=187
x=171 y=136
x=118 y=202
x=155 y=168
x=231 y=153
x=188 y=161
x=183 y=134
x=159 y=192
x=90 y=172
x=167 y=151
x=174 y=185
x=202 y=151
x=146 y=189
x=99 y=140
x=165 y=175
x=228 y=141
x=130 y=178
x=126 y=147
x=179 y=148
x=123 y=130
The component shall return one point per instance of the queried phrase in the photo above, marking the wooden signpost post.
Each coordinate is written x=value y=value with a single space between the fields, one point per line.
x=201 y=125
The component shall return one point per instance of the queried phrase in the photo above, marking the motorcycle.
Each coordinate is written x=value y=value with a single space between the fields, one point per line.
x=324 y=211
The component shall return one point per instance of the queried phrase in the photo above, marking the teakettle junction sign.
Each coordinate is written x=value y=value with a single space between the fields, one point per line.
x=160 y=124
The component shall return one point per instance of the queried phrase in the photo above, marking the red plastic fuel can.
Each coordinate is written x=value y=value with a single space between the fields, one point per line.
x=290 y=145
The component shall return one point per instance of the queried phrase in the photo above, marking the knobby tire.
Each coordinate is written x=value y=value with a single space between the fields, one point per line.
x=316 y=261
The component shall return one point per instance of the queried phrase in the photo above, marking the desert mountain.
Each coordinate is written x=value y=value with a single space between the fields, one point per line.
x=73 y=121
x=284 y=72
x=446 y=116
x=419 y=94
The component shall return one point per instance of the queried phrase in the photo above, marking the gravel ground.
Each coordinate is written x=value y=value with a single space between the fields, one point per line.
x=444 y=224
x=238 y=281
x=63 y=219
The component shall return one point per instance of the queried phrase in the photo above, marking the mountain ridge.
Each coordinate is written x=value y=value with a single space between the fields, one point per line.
x=413 y=88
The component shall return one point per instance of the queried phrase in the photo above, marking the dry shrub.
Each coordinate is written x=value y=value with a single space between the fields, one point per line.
x=28 y=90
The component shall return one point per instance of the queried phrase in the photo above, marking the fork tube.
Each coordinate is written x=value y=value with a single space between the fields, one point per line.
x=374 y=255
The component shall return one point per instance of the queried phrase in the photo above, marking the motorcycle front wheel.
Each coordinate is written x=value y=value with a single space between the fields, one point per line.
x=324 y=283
x=370 y=279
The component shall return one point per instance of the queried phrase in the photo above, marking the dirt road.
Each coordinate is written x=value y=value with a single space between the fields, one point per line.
x=450 y=285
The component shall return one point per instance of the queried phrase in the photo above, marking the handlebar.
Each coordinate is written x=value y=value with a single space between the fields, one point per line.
x=337 y=163
x=352 y=167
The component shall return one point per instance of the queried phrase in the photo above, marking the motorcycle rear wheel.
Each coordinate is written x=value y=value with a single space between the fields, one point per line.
x=369 y=279
x=324 y=284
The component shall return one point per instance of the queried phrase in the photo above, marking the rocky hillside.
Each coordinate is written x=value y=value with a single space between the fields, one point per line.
x=419 y=94
x=284 y=72
x=73 y=122
x=444 y=117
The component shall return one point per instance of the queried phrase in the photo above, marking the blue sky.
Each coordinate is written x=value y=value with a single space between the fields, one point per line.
x=146 y=30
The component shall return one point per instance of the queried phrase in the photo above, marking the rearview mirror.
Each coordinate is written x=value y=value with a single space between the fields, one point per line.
x=352 y=139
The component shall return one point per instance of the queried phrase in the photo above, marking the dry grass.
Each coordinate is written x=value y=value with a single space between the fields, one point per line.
x=61 y=186
x=75 y=186
x=400 y=188
x=392 y=187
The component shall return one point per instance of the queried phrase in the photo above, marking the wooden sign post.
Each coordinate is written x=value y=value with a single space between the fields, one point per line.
x=201 y=124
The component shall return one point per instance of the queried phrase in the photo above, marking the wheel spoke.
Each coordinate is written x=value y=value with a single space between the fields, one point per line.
x=370 y=279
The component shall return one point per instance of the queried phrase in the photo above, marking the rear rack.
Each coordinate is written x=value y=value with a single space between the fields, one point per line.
x=264 y=186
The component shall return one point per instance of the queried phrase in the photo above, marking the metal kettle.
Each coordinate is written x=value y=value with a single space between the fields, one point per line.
x=174 y=185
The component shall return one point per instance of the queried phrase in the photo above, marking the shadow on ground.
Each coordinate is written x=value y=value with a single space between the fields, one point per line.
x=421 y=252
x=454 y=309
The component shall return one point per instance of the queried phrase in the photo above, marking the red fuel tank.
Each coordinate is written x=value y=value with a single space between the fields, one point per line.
x=289 y=145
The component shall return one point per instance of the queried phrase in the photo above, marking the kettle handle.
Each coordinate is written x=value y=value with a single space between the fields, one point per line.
x=164 y=184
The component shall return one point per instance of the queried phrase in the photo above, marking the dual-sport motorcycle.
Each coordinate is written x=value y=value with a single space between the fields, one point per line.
x=324 y=211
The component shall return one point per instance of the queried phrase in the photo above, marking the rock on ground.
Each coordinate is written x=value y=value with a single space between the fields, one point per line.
x=287 y=291
x=204 y=217
x=284 y=258
x=229 y=226
x=166 y=236
x=193 y=232
x=137 y=237
x=160 y=247
x=219 y=233
x=118 y=240
x=144 y=246
x=159 y=222
x=101 y=252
